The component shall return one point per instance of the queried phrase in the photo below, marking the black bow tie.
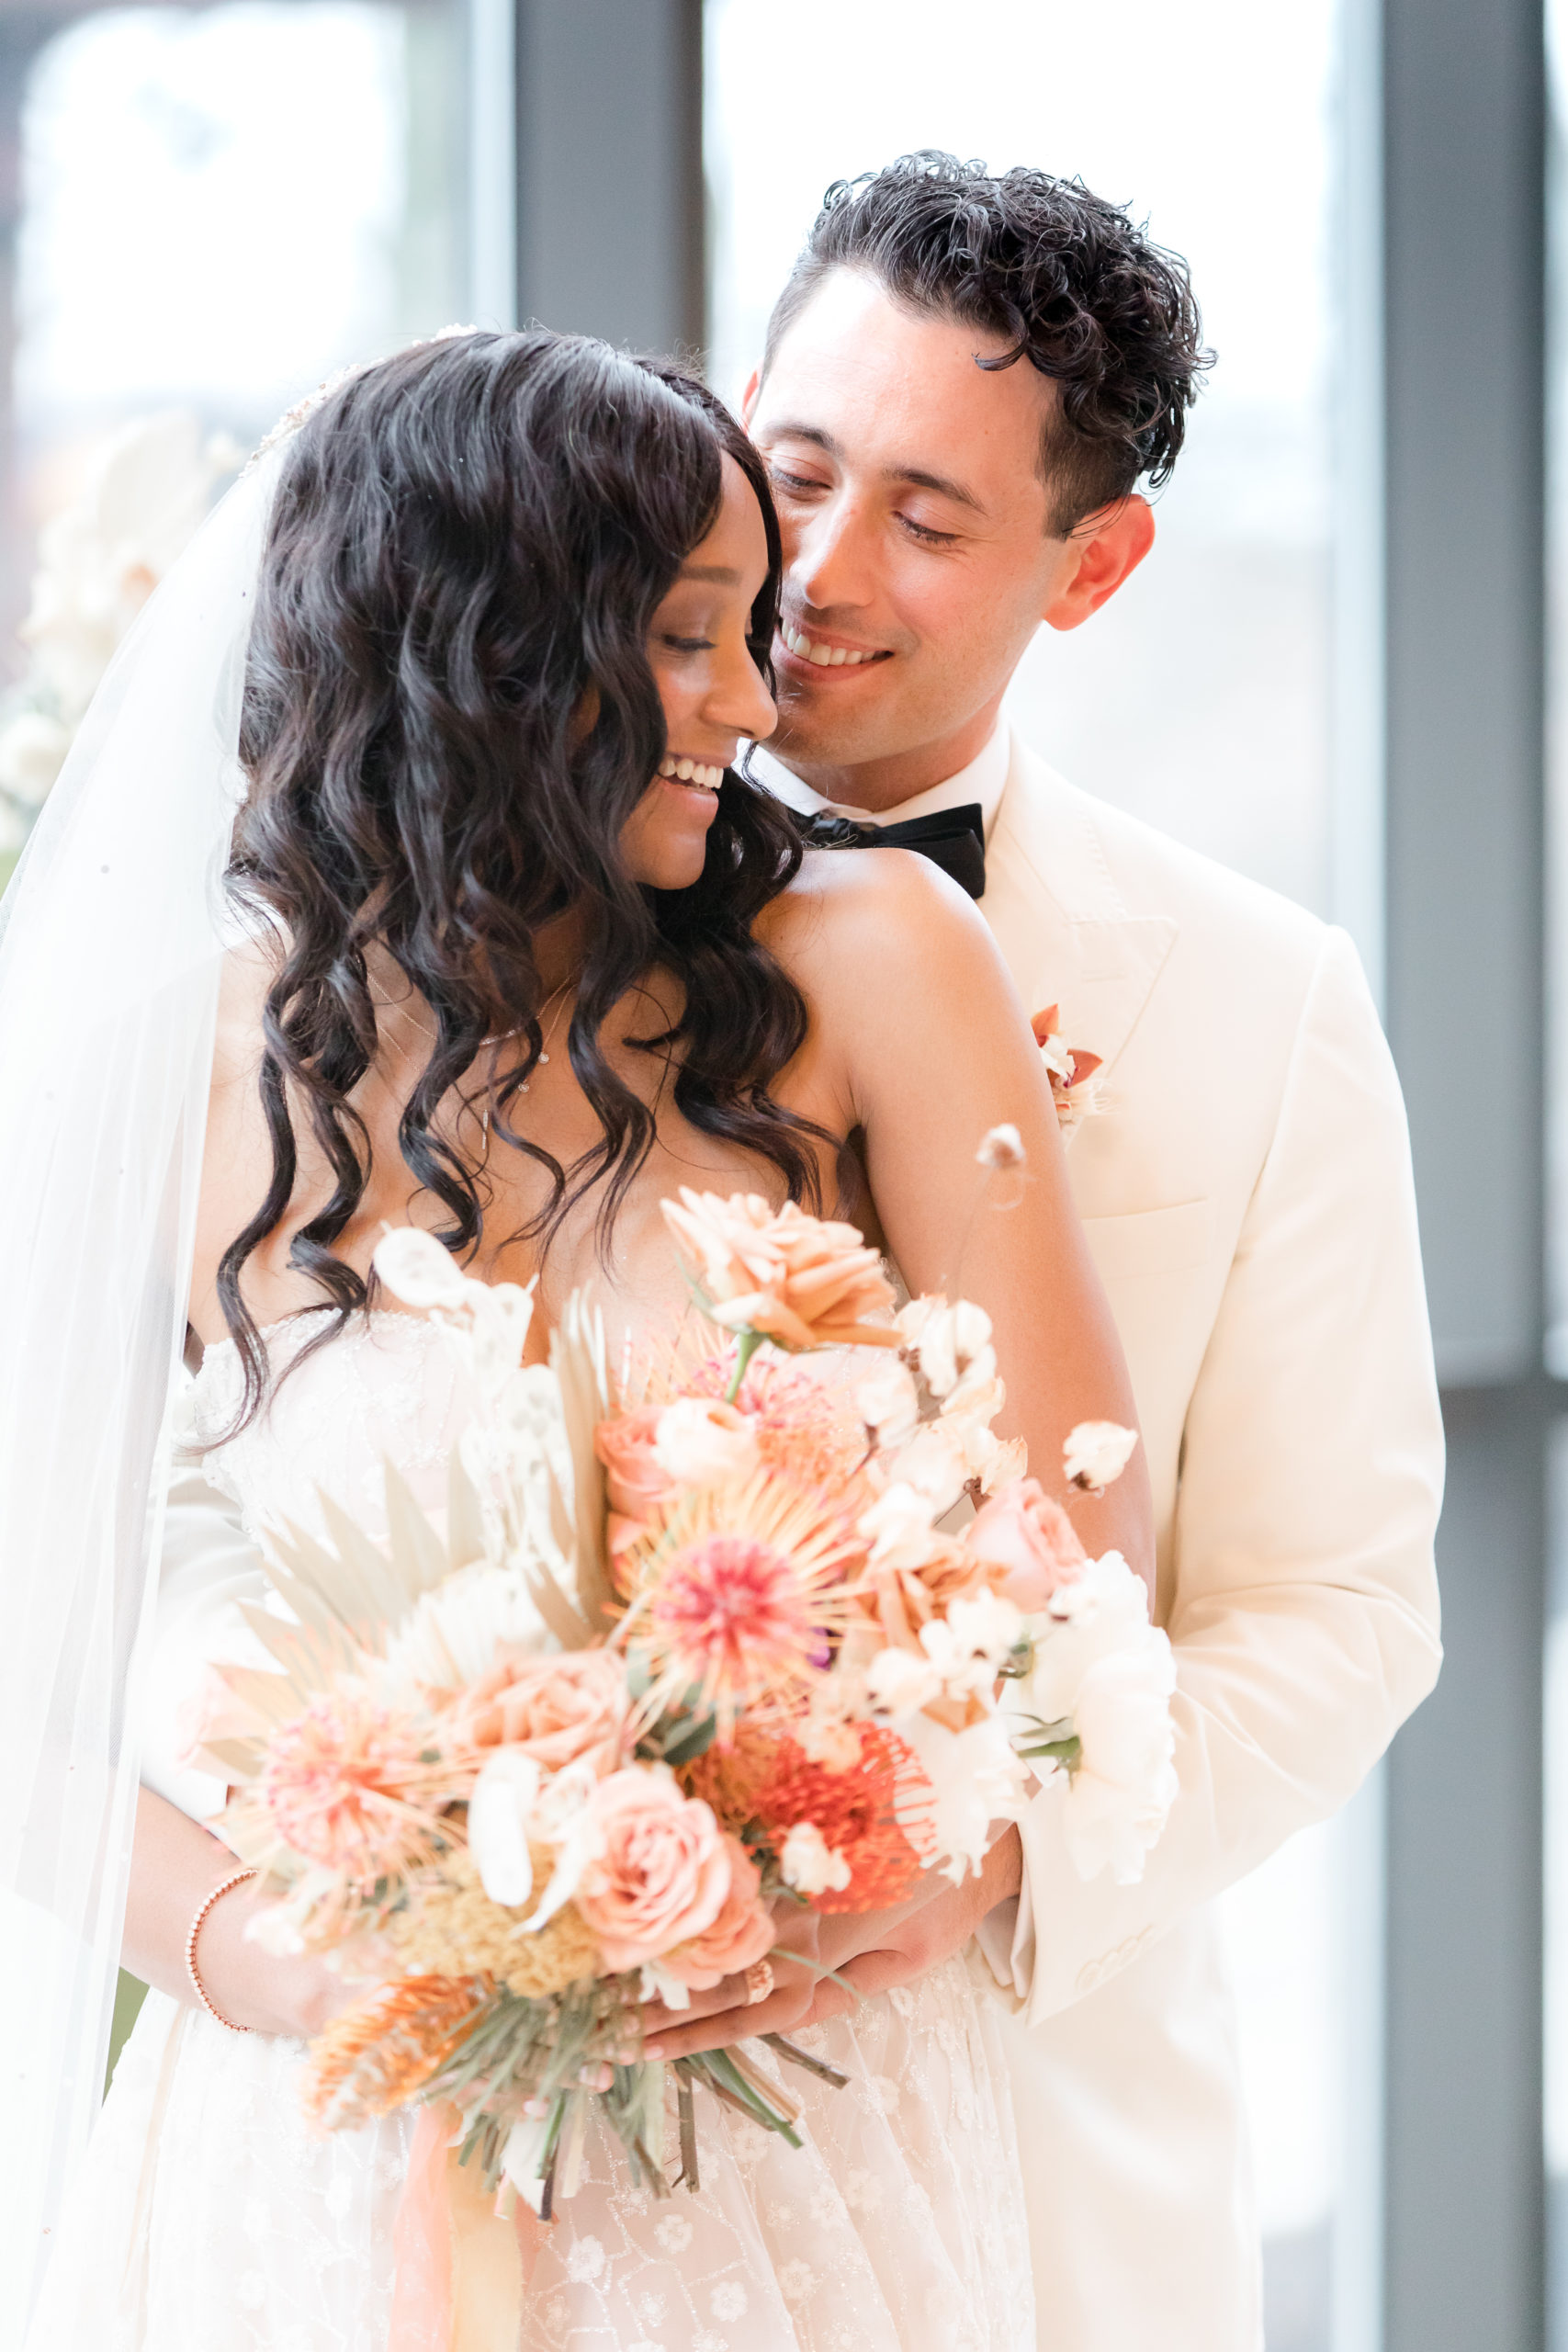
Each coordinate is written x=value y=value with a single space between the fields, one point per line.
x=953 y=839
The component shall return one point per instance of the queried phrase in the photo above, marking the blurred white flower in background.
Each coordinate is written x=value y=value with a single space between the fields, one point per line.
x=147 y=488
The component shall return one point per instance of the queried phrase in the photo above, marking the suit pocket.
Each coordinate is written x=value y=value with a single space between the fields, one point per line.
x=1150 y=1241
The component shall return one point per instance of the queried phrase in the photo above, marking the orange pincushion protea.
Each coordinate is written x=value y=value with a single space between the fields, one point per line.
x=736 y=1597
x=378 y=2055
x=767 y=1783
x=355 y=1788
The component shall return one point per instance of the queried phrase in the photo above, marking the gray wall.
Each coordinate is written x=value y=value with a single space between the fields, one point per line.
x=1464 y=196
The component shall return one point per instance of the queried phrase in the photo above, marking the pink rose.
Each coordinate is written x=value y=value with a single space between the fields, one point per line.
x=637 y=1480
x=657 y=1874
x=1027 y=1543
x=743 y=1932
x=559 y=1710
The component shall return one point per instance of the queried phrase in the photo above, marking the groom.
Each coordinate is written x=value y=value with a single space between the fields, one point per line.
x=964 y=380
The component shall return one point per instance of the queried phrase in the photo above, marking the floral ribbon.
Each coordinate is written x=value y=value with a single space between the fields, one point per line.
x=462 y=2259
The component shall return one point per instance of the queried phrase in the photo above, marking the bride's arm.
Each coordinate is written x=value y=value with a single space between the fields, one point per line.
x=918 y=1040
x=176 y=1865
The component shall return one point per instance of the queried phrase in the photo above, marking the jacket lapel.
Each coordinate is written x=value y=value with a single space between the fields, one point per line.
x=1058 y=917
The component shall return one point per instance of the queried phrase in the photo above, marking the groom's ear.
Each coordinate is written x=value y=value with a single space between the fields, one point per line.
x=748 y=397
x=1102 y=551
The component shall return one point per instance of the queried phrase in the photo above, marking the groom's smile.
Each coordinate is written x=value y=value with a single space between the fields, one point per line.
x=921 y=544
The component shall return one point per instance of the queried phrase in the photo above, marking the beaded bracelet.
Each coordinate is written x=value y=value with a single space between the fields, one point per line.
x=238 y=1879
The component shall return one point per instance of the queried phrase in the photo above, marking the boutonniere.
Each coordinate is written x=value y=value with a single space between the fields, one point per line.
x=1070 y=1070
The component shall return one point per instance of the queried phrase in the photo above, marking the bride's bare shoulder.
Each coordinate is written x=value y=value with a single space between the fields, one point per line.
x=852 y=913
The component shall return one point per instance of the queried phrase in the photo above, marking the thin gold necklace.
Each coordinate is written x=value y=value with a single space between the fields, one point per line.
x=543 y=1055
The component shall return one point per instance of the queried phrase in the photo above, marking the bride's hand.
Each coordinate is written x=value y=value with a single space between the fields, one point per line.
x=843 y=1958
x=796 y=1962
x=295 y=1995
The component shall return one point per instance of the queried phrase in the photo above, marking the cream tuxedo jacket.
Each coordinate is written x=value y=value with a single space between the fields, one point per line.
x=1246 y=1191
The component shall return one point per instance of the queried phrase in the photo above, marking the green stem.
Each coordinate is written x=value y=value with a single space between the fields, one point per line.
x=745 y=1348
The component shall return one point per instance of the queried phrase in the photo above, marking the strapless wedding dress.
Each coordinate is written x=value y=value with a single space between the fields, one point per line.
x=209 y=2219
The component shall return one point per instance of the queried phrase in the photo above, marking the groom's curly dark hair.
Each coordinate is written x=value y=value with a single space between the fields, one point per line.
x=1068 y=281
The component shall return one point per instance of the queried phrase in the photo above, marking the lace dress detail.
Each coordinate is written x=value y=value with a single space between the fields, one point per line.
x=210 y=2219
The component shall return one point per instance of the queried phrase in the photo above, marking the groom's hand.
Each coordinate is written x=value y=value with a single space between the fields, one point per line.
x=895 y=1949
x=871 y=1951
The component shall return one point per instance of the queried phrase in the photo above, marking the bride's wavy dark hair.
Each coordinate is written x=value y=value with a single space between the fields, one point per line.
x=466 y=551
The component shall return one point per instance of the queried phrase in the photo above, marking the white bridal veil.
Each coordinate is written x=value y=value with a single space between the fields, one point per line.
x=111 y=938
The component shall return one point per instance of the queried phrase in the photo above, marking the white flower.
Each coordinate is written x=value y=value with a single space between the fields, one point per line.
x=899 y=1683
x=948 y=1340
x=416 y=1269
x=32 y=751
x=993 y=1460
x=1002 y=1148
x=1099 y=1664
x=888 y=1403
x=975 y=1778
x=728 y=2300
x=967 y=1645
x=978 y=1397
x=934 y=1465
x=988 y=1626
x=500 y=1810
x=809 y=1864
x=1096 y=1453
x=899 y=1528
x=700 y=1443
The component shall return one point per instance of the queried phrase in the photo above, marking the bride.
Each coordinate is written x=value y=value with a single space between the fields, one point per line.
x=511 y=952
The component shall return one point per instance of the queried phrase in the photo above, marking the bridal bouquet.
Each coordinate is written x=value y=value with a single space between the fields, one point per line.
x=692 y=1646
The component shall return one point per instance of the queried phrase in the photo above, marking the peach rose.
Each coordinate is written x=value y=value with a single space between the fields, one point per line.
x=657 y=1872
x=743 y=1932
x=635 y=1479
x=1027 y=1543
x=799 y=1280
x=702 y=1442
x=559 y=1710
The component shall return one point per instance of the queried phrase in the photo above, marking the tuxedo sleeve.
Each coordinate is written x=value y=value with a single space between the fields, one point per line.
x=1304 y=1618
x=208 y=1567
